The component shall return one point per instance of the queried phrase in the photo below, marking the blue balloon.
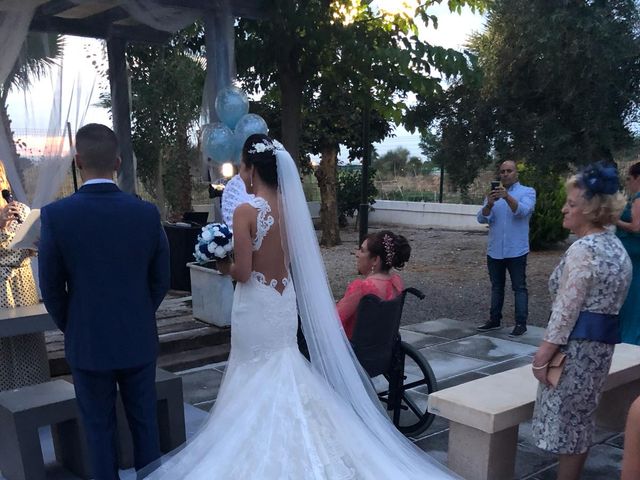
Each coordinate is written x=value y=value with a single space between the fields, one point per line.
x=231 y=104
x=217 y=143
x=247 y=126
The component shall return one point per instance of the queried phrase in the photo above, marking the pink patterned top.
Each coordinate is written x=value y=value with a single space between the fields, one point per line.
x=385 y=288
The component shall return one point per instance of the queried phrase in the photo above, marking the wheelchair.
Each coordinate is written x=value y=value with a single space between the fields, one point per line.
x=401 y=375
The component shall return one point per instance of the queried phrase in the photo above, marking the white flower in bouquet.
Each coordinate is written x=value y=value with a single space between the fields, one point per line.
x=206 y=235
x=215 y=242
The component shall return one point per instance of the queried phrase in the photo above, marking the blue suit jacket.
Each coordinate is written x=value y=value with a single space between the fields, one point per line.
x=104 y=269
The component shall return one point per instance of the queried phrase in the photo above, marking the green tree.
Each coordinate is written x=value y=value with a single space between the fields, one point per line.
x=393 y=163
x=563 y=78
x=460 y=136
x=326 y=72
x=166 y=86
x=555 y=84
x=349 y=183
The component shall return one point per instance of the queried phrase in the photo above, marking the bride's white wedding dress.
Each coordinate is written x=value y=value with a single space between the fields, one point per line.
x=275 y=417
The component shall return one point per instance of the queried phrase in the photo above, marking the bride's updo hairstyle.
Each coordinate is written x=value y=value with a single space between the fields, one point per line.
x=259 y=151
x=394 y=250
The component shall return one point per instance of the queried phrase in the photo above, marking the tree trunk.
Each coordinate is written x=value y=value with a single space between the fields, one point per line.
x=327 y=175
x=177 y=181
x=291 y=85
x=161 y=199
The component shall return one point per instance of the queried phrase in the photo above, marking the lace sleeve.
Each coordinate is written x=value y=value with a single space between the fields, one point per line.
x=348 y=304
x=574 y=285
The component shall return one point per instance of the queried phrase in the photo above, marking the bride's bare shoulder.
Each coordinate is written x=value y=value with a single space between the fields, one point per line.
x=244 y=214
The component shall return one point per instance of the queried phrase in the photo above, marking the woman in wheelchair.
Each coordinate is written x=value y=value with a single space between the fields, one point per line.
x=378 y=254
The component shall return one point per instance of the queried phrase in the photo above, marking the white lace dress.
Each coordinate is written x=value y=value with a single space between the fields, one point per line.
x=275 y=418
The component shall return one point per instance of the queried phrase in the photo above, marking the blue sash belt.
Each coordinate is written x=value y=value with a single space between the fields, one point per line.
x=598 y=327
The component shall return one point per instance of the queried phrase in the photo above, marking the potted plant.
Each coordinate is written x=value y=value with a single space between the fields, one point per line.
x=211 y=292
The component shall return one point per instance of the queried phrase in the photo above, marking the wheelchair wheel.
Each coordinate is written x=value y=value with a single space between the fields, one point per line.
x=410 y=414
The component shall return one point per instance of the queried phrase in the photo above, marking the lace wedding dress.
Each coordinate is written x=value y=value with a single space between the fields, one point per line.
x=276 y=417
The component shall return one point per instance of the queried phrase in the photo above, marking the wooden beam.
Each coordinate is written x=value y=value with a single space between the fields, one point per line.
x=96 y=29
x=254 y=9
x=66 y=26
x=54 y=7
x=108 y=16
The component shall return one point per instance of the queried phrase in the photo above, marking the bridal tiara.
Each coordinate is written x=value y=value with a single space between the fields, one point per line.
x=263 y=146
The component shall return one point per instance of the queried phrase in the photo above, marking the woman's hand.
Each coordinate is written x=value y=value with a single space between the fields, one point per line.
x=540 y=372
x=540 y=364
x=8 y=214
x=224 y=265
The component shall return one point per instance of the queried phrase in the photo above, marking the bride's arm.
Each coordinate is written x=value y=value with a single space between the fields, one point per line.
x=240 y=268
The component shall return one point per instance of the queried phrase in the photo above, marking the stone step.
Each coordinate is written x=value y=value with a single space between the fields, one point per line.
x=194 y=358
x=180 y=341
x=181 y=351
x=184 y=341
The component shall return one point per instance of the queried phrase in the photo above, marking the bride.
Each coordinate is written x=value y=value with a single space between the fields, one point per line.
x=277 y=416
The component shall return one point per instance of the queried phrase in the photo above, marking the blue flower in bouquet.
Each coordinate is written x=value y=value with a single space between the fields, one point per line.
x=214 y=242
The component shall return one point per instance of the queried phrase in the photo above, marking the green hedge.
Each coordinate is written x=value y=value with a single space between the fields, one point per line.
x=545 y=229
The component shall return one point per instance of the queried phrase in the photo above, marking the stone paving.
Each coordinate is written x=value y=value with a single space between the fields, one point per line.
x=457 y=354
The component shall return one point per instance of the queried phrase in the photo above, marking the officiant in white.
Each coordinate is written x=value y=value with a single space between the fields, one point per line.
x=23 y=358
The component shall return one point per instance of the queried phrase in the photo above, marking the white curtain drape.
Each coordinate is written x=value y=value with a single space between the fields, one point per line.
x=15 y=17
x=38 y=179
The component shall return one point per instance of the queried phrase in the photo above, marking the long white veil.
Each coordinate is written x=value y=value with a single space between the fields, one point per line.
x=331 y=354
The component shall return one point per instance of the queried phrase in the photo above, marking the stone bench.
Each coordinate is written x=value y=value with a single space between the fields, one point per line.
x=484 y=414
x=23 y=320
x=22 y=412
x=170 y=418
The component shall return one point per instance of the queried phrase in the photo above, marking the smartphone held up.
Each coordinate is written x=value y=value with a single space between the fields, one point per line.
x=8 y=196
x=495 y=185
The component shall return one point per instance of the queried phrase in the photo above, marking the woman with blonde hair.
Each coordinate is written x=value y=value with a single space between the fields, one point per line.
x=588 y=288
x=23 y=358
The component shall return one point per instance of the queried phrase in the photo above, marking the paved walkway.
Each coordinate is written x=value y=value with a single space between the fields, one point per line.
x=457 y=354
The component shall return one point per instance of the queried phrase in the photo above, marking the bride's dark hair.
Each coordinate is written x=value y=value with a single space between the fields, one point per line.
x=260 y=152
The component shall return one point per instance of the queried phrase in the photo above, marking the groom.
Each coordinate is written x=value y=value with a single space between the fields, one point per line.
x=104 y=269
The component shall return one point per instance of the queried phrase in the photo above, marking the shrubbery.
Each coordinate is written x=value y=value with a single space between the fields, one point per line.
x=349 y=192
x=545 y=229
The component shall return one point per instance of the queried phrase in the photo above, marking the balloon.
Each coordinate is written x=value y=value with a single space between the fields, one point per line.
x=247 y=126
x=231 y=104
x=217 y=143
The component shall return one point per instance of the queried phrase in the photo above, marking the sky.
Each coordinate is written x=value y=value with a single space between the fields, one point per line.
x=35 y=110
x=452 y=32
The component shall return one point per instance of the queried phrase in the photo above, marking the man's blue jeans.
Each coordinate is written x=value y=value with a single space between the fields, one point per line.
x=517 y=268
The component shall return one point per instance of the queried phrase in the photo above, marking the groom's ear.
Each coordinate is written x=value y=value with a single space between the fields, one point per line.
x=117 y=165
x=78 y=161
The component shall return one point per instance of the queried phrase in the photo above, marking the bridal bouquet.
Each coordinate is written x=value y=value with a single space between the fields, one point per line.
x=214 y=243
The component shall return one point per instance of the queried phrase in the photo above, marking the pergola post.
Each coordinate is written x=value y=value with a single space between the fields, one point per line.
x=220 y=53
x=121 y=112
x=219 y=37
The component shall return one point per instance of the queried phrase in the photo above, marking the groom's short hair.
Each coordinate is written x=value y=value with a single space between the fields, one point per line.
x=97 y=147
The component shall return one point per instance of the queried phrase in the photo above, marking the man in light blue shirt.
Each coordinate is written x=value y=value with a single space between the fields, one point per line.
x=507 y=209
